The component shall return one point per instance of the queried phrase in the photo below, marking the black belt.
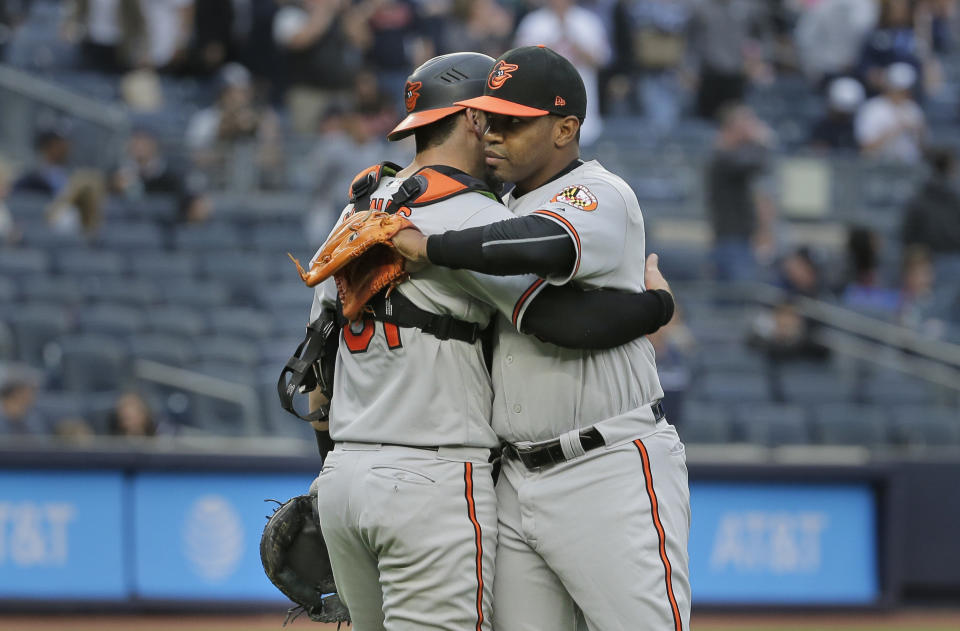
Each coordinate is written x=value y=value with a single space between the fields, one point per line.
x=551 y=452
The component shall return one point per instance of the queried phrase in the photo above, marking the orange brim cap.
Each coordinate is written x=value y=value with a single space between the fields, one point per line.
x=499 y=106
x=419 y=119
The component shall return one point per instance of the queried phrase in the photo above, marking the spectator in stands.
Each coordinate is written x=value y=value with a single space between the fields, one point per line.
x=783 y=334
x=729 y=41
x=50 y=175
x=893 y=41
x=212 y=42
x=213 y=134
x=740 y=212
x=482 y=26
x=892 y=126
x=835 y=130
x=580 y=36
x=12 y=13
x=112 y=34
x=145 y=171
x=799 y=274
x=320 y=59
x=9 y=234
x=169 y=28
x=921 y=307
x=650 y=42
x=394 y=39
x=18 y=416
x=131 y=417
x=865 y=290
x=830 y=36
x=932 y=217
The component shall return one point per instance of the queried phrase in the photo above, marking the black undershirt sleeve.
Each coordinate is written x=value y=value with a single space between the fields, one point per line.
x=565 y=316
x=596 y=319
x=523 y=245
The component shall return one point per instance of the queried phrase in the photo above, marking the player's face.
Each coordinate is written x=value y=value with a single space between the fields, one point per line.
x=518 y=149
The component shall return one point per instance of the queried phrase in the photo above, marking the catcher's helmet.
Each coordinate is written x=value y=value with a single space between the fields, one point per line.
x=434 y=88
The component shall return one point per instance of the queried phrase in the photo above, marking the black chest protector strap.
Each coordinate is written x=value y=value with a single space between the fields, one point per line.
x=399 y=310
x=365 y=183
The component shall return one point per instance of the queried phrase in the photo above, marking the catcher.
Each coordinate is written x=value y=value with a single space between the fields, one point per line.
x=406 y=496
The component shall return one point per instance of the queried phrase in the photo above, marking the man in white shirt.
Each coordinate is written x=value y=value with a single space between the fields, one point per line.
x=579 y=35
x=891 y=126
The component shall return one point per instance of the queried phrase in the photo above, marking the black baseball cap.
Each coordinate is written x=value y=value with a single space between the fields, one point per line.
x=532 y=81
x=433 y=88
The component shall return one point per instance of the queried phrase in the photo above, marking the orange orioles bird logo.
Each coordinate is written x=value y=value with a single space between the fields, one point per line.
x=412 y=94
x=500 y=73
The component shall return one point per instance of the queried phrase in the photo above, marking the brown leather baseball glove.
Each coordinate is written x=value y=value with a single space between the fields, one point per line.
x=361 y=259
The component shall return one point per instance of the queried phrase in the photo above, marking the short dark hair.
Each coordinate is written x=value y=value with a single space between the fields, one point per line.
x=435 y=133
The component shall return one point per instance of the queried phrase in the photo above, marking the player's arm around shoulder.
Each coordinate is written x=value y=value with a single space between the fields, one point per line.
x=601 y=220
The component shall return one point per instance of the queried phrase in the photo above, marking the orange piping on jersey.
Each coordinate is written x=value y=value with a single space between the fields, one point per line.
x=392 y=333
x=362 y=174
x=517 y=308
x=573 y=231
x=478 y=537
x=438 y=186
x=654 y=511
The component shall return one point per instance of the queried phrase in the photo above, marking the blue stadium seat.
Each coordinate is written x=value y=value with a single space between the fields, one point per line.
x=87 y=262
x=229 y=349
x=8 y=291
x=135 y=236
x=156 y=207
x=705 y=422
x=804 y=388
x=244 y=322
x=279 y=238
x=773 y=425
x=205 y=238
x=93 y=363
x=240 y=271
x=163 y=265
x=163 y=348
x=34 y=327
x=203 y=295
x=732 y=388
x=926 y=425
x=43 y=237
x=16 y=262
x=892 y=389
x=176 y=320
x=850 y=424
x=683 y=263
x=28 y=206
x=111 y=319
x=292 y=294
x=734 y=358
x=141 y=293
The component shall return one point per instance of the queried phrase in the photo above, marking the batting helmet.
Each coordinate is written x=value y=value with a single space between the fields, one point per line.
x=434 y=88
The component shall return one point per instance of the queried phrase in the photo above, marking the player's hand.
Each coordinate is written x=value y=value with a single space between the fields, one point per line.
x=652 y=278
x=412 y=245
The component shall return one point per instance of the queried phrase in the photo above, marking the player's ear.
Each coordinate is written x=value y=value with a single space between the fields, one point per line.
x=473 y=116
x=566 y=130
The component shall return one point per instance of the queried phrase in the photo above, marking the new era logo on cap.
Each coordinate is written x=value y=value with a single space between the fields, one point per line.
x=532 y=81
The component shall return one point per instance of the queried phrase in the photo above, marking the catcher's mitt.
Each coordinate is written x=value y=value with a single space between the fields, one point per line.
x=295 y=559
x=361 y=259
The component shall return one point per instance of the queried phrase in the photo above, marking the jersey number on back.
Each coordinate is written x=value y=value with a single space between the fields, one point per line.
x=359 y=342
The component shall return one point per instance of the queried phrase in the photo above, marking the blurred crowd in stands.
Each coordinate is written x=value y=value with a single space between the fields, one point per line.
x=297 y=96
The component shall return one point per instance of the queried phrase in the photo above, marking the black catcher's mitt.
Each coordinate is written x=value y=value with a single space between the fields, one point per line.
x=295 y=559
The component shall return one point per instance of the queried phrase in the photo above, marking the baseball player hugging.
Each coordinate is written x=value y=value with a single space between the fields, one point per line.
x=593 y=503
x=406 y=498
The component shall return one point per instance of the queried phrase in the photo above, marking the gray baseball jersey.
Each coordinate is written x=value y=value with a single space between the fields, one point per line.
x=537 y=384
x=406 y=387
x=412 y=532
x=604 y=533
